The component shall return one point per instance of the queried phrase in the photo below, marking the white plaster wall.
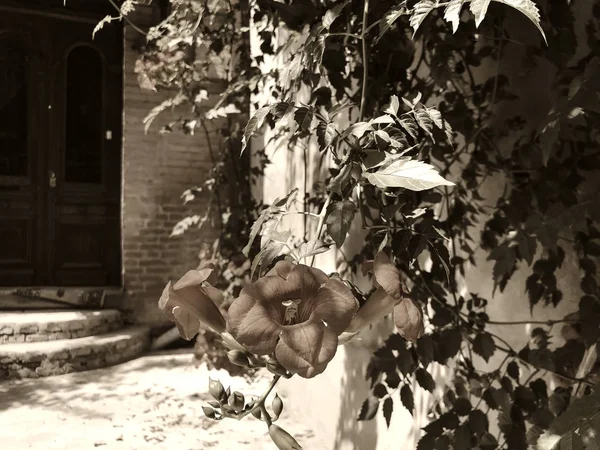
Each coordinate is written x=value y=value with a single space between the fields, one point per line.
x=331 y=401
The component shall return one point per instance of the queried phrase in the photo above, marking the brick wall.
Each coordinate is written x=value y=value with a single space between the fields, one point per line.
x=156 y=170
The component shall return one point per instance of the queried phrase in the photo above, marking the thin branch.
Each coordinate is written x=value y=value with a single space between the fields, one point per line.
x=262 y=398
x=365 y=61
x=496 y=78
x=321 y=223
x=532 y=322
x=122 y=16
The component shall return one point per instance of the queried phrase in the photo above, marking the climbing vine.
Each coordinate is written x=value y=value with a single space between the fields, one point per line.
x=402 y=101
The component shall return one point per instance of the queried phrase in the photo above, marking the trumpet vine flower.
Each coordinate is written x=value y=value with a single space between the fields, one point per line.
x=296 y=312
x=389 y=297
x=193 y=300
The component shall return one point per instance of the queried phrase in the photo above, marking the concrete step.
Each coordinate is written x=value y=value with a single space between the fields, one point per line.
x=52 y=325
x=40 y=359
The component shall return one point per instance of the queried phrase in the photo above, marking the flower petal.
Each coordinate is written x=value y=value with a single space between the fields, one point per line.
x=214 y=294
x=253 y=324
x=378 y=305
x=334 y=303
x=193 y=278
x=210 y=264
x=306 y=348
x=274 y=289
x=188 y=306
x=164 y=300
x=282 y=269
x=187 y=323
x=409 y=320
x=387 y=275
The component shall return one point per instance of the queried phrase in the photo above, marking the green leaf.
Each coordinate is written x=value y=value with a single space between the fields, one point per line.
x=449 y=342
x=359 y=129
x=389 y=18
x=254 y=124
x=341 y=180
x=312 y=248
x=325 y=134
x=478 y=422
x=388 y=409
x=339 y=219
x=419 y=12
x=410 y=126
x=549 y=138
x=513 y=370
x=479 y=9
x=462 y=437
x=529 y=9
x=100 y=25
x=425 y=380
x=462 y=406
x=452 y=13
x=380 y=390
x=407 y=399
x=437 y=119
x=281 y=110
x=333 y=14
x=527 y=248
x=393 y=107
x=369 y=408
x=303 y=117
x=484 y=346
x=265 y=256
x=424 y=121
x=425 y=349
x=408 y=174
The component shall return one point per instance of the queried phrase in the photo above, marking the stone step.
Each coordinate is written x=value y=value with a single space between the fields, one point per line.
x=52 y=325
x=40 y=359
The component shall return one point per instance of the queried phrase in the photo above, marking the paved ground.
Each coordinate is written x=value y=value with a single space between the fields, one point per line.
x=153 y=402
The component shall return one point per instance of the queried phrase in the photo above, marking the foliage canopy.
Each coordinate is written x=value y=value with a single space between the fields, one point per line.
x=409 y=105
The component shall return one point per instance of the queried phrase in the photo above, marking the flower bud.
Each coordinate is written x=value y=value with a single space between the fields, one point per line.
x=236 y=401
x=277 y=405
x=238 y=358
x=214 y=404
x=231 y=343
x=275 y=368
x=209 y=412
x=282 y=439
x=216 y=390
x=257 y=413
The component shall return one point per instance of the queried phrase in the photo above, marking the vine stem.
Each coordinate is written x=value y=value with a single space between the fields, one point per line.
x=365 y=63
x=262 y=398
x=532 y=322
x=321 y=223
x=124 y=17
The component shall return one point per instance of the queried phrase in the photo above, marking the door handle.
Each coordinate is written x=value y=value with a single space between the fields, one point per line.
x=51 y=179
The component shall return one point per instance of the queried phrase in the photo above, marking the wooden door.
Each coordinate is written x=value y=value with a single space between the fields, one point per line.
x=62 y=223
x=22 y=210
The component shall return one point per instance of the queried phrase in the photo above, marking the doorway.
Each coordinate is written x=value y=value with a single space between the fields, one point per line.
x=60 y=150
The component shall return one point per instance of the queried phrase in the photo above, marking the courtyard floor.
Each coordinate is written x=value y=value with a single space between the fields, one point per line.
x=154 y=402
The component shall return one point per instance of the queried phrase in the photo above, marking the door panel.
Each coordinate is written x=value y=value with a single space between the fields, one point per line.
x=60 y=166
x=86 y=129
x=21 y=89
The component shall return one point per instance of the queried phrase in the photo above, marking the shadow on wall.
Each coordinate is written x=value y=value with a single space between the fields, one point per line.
x=354 y=389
